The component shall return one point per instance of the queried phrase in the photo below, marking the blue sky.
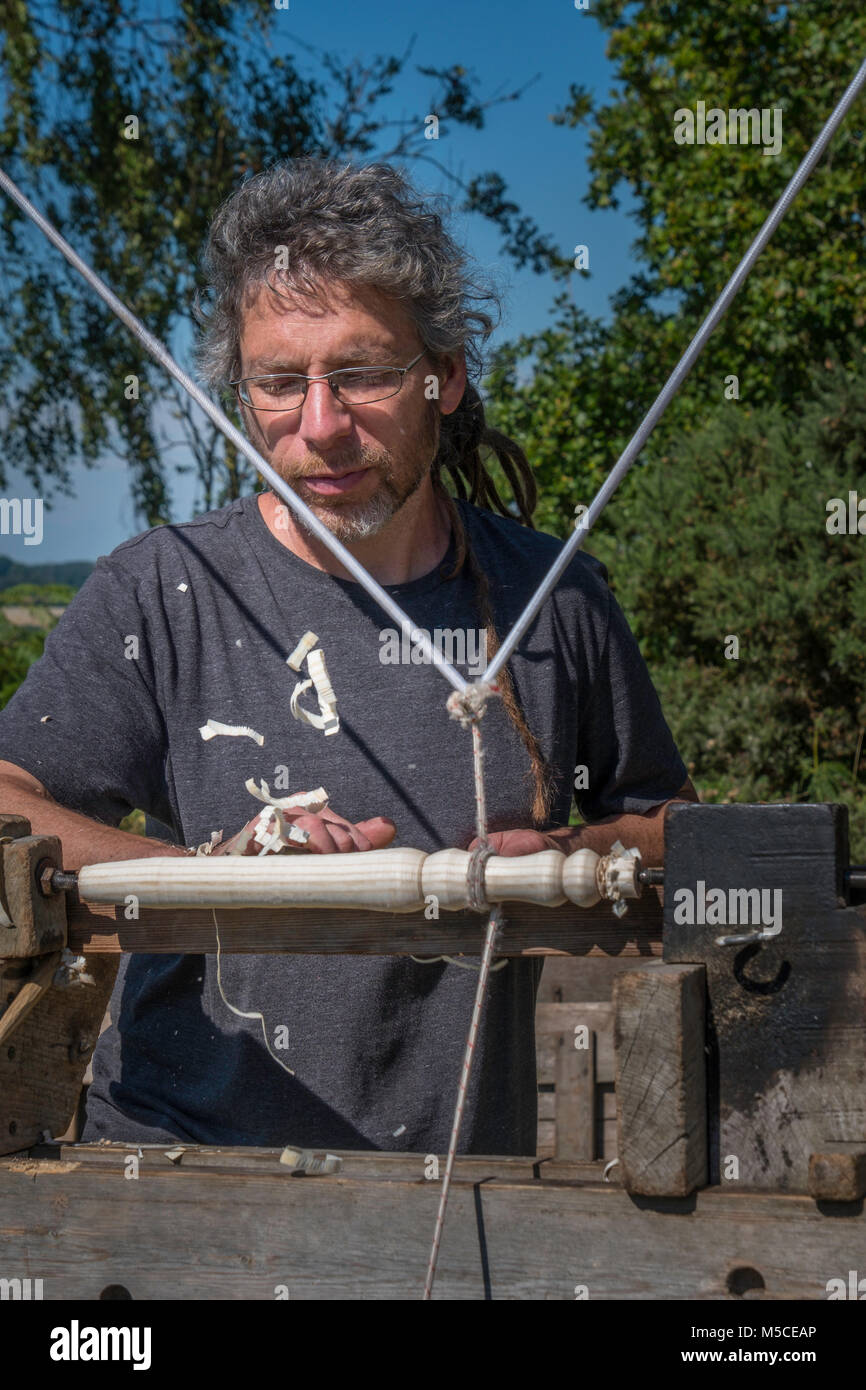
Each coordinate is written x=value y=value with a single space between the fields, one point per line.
x=505 y=45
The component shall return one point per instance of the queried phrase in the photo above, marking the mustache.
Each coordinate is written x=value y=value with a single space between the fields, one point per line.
x=321 y=468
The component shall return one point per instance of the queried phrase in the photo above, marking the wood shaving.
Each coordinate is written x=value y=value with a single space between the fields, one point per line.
x=299 y=655
x=306 y=1161
x=214 y=727
x=314 y=801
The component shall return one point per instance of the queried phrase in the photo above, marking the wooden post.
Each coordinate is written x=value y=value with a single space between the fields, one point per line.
x=575 y=1098
x=659 y=1028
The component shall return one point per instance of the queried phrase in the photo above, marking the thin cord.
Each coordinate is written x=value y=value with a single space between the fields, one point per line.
x=493 y=925
x=469 y=710
x=241 y=1013
x=464 y=964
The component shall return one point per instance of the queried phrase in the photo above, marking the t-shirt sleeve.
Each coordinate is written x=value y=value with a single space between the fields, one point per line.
x=624 y=741
x=85 y=721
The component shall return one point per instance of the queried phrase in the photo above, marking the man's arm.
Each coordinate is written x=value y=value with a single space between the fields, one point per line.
x=644 y=832
x=84 y=841
x=87 y=841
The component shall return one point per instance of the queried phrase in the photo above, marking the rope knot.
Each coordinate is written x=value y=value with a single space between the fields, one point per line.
x=475 y=877
x=469 y=705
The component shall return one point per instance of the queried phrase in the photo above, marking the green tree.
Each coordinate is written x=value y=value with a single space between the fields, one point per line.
x=720 y=529
x=19 y=648
x=129 y=129
x=698 y=208
x=734 y=543
x=42 y=594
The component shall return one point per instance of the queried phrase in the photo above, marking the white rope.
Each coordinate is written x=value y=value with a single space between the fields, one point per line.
x=241 y=1013
x=468 y=707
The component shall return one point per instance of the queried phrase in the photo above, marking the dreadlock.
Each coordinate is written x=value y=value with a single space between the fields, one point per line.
x=463 y=435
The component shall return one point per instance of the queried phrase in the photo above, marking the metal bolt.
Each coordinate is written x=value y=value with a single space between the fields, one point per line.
x=45 y=878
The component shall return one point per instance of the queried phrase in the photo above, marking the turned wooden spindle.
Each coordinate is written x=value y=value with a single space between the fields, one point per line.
x=390 y=880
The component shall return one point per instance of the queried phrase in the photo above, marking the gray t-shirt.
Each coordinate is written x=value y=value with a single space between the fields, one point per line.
x=376 y=1043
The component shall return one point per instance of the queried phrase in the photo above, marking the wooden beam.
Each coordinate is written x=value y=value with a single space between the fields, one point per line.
x=659 y=1037
x=529 y=930
x=244 y=1228
x=839 y=1176
x=786 y=1015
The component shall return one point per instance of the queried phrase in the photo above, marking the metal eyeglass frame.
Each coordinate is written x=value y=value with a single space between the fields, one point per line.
x=338 y=372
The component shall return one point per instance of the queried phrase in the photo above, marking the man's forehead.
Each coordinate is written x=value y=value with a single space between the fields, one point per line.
x=370 y=310
x=353 y=321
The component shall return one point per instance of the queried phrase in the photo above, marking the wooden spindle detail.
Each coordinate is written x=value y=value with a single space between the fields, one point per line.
x=389 y=880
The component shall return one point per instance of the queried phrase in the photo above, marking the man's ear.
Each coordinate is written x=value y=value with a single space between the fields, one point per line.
x=452 y=383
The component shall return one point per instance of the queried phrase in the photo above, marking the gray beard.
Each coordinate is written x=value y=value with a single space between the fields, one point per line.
x=358 y=523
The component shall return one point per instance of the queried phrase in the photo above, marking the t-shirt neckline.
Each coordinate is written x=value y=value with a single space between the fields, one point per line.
x=433 y=579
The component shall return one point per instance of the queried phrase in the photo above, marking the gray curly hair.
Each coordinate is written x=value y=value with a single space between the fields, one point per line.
x=368 y=225
x=357 y=224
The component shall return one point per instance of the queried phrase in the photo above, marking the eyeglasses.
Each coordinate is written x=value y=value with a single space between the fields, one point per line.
x=281 y=391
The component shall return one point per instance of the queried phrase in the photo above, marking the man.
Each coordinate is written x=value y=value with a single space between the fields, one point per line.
x=318 y=268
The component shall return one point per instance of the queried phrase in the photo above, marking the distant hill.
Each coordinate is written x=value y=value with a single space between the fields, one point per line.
x=72 y=572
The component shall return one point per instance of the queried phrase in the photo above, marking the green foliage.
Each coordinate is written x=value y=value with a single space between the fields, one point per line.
x=19 y=648
x=68 y=574
x=700 y=206
x=38 y=594
x=727 y=537
x=721 y=527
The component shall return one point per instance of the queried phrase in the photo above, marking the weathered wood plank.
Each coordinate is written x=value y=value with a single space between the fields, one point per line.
x=588 y=979
x=553 y=1019
x=659 y=1036
x=153 y=1159
x=191 y=1234
x=529 y=930
x=575 y=1097
x=786 y=1016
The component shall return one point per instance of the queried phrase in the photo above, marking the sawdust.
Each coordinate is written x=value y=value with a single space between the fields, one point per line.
x=39 y=1167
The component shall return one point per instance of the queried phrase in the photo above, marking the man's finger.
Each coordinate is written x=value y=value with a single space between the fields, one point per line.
x=320 y=833
x=379 y=831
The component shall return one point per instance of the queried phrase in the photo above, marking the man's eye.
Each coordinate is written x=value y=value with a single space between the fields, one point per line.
x=371 y=378
x=279 y=385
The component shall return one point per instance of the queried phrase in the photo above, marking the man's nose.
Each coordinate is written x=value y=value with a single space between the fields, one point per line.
x=323 y=416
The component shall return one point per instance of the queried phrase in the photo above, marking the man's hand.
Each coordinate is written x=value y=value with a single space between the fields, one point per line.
x=645 y=832
x=328 y=832
x=510 y=843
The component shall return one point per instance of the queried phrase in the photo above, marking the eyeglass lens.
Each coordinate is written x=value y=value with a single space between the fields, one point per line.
x=355 y=388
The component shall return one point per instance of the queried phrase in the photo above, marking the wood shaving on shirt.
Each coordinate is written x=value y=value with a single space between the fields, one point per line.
x=213 y=727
